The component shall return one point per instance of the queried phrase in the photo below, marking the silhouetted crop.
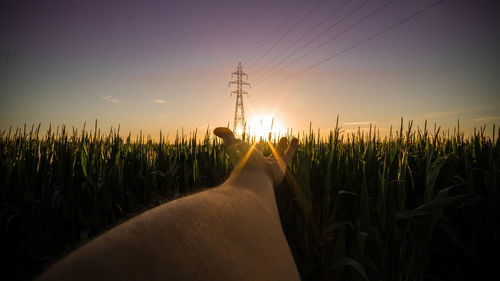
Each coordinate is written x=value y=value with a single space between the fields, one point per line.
x=413 y=205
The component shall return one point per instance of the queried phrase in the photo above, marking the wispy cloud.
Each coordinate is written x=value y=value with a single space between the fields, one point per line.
x=486 y=118
x=159 y=101
x=359 y=123
x=110 y=99
x=460 y=112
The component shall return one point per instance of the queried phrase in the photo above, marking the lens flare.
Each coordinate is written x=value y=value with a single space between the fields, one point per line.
x=263 y=127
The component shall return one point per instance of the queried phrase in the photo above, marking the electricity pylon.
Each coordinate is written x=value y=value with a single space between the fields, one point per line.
x=239 y=110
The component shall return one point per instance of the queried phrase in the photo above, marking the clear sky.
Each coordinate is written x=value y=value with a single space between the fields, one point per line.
x=166 y=65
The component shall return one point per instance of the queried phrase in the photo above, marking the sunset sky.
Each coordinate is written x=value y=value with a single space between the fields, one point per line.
x=166 y=65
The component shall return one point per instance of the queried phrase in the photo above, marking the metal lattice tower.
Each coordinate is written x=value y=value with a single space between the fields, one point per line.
x=239 y=111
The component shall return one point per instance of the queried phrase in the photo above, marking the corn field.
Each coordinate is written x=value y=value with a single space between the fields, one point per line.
x=417 y=204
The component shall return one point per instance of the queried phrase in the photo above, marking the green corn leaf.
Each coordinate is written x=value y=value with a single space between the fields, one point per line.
x=432 y=177
x=345 y=261
x=440 y=203
x=83 y=162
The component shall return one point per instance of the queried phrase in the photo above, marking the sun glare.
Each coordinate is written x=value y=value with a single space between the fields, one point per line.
x=262 y=127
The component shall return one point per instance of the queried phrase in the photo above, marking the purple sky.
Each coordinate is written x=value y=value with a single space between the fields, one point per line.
x=155 y=65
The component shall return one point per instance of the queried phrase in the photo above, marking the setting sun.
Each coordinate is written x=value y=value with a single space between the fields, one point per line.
x=263 y=127
x=306 y=140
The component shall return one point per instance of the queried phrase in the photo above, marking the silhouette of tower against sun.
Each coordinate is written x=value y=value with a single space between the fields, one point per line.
x=239 y=110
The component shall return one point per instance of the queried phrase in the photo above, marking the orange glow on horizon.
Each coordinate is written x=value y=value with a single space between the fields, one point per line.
x=260 y=126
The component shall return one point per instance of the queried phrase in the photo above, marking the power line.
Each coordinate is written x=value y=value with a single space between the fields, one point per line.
x=316 y=37
x=355 y=45
x=272 y=35
x=334 y=12
x=334 y=37
x=286 y=21
x=288 y=32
